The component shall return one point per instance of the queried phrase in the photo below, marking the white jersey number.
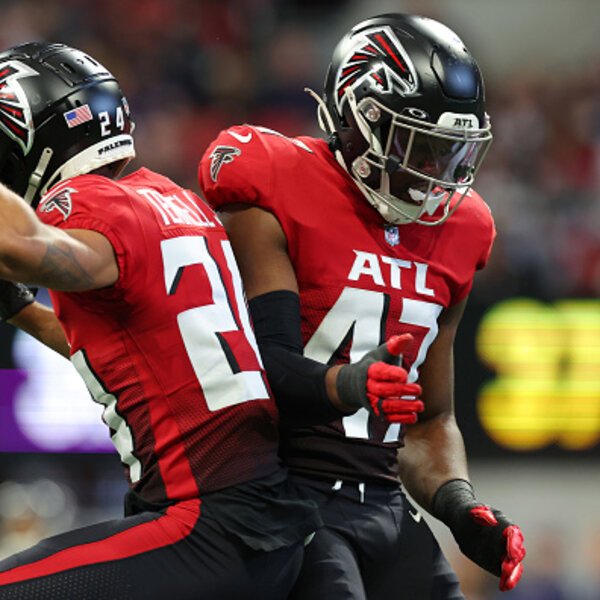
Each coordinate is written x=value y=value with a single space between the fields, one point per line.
x=361 y=313
x=122 y=437
x=200 y=327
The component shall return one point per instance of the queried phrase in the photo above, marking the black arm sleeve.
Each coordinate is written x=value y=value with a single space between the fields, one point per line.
x=297 y=382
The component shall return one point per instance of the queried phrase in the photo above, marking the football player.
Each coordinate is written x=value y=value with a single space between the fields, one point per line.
x=143 y=280
x=342 y=243
x=172 y=358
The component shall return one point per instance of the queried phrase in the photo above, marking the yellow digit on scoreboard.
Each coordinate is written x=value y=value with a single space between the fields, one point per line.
x=546 y=359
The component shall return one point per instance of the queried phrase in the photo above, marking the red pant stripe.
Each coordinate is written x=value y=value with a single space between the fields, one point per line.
x=176 y=524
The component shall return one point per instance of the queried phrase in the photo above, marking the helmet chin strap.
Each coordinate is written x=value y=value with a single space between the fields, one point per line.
x=36 y=177
x=387 y=204
x=429 y=199
x=326 y=124
x=400 y=212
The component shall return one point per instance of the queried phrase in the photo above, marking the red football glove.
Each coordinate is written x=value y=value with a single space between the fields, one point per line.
x=511 y=568
x=483 y=534
x=378 y=383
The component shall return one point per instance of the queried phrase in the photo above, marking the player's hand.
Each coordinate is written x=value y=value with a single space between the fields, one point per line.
x=13 y=298
x=378 y=383
x=483 y=534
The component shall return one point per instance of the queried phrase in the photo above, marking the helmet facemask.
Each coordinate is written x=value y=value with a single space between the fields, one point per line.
x=411 y=166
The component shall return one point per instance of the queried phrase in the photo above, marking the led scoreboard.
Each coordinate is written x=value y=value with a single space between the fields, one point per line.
x=544 y=361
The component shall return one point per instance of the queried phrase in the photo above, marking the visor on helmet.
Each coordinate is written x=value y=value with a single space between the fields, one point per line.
x=447 y=155
x=446 y=159
x=410 y=161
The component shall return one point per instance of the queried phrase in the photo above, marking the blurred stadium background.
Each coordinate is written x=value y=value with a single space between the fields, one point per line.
x=528 y=354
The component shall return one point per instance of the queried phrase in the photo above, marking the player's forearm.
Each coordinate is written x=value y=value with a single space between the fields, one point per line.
x=433 y=454
x=40 y=322
x=17 y=226
x=301 y=386
x=16 y=216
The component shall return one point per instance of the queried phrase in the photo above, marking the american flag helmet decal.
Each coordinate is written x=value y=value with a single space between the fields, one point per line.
x=78 y=115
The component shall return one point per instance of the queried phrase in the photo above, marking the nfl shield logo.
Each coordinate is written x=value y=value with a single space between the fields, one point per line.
x=392 y=235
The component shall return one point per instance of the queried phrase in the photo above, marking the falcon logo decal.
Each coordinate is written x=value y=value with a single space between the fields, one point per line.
x=379 y=60
x=220 y=156
x=15 y=112
x=60 y=201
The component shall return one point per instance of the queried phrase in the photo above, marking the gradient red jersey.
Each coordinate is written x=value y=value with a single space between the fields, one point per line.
x=360 y=280
x=168 y=350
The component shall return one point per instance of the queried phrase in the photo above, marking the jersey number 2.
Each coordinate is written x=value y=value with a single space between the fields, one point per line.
x=200 y=327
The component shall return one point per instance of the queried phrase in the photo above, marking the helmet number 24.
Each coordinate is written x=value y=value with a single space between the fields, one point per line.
x=104 y=118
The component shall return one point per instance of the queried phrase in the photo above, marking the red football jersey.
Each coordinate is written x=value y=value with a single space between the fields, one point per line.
x=360 y=280
x=168 y=349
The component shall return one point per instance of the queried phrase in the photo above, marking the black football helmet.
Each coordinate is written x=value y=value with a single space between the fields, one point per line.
x=61 y=114
x=404 y=103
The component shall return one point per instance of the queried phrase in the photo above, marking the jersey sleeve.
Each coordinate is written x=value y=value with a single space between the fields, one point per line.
x=488 y=234
x=97 y=204
x=235 y=168
x=479 y=233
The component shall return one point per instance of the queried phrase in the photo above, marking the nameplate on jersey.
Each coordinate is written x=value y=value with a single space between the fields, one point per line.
x=177 y=208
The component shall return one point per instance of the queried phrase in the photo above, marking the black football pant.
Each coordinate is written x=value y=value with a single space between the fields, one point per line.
x=374 y=546
x=174 y=554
